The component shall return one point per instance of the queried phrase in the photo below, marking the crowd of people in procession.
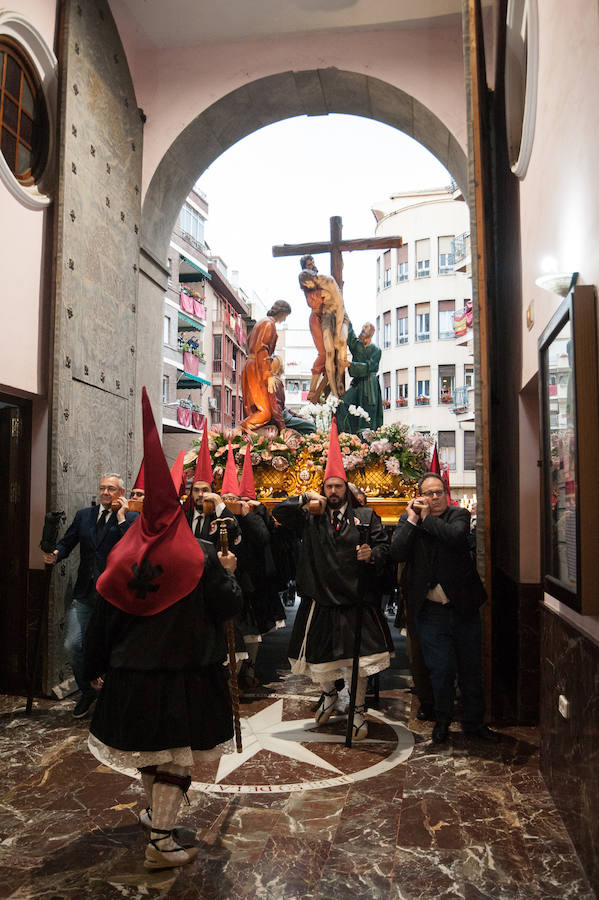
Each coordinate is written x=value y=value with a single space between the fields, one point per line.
x=145 y=629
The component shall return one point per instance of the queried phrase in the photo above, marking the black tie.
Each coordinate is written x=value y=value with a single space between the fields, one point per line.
x=198 y=529
x=101 y=522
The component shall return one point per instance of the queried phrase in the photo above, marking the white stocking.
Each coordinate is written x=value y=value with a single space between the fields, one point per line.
x=166 y=800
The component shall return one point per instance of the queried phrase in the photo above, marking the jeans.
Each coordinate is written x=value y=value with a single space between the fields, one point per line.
x=452 y=646
x=78 y=616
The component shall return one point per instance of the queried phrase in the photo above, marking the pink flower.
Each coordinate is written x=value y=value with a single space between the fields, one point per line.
x=218 y=471
x=293 y=442
x=266 y=456
x=280 y=463
x=256 y=458
x=392 y=465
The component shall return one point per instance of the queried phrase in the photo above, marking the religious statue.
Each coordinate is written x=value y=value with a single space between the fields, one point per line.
x=364 y=389
x=290 y=420
x=329 y=329
x=257 y=381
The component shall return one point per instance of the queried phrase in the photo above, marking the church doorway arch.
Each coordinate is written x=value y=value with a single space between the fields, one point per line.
x=271 y=99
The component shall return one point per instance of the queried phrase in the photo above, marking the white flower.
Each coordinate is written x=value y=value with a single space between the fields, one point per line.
x=358 y=411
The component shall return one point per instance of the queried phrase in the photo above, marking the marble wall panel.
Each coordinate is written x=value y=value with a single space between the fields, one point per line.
x=570 y=747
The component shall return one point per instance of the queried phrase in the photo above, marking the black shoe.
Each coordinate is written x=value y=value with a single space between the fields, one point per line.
x=483 y=733
x=84 y=705
x=426 y=713
x=440 y=732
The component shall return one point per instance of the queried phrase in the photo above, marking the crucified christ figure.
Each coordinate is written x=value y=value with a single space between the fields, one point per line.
x=329 y=325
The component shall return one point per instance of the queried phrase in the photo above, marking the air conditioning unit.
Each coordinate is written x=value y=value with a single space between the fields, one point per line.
x=212 y=404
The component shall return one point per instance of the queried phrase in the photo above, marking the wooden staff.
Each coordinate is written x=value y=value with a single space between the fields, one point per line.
x=364 y=532
x=230 y=631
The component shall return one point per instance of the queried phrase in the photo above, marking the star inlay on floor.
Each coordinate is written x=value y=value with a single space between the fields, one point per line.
x=275 y=757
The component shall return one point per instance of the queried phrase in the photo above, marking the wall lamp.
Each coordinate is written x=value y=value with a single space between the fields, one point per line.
x=561 y=283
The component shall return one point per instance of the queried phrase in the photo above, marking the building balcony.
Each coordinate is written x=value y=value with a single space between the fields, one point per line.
x=461 y=252
x=463 y=403
x=401 y=403
x=423 y=401
x=182 y=417
x=222 y=370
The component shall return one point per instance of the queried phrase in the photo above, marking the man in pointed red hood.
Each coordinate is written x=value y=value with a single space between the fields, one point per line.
x=206 y=505
x=157 y=640
x=343 y=551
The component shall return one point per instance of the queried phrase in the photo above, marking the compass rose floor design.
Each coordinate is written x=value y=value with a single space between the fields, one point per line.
x=296 y=815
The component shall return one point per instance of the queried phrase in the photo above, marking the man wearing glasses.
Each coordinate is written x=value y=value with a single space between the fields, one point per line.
x=443 y=595
x=96 y=529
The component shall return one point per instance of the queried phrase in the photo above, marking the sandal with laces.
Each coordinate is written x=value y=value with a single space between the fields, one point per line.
x=325 y=706
x=168 y=857
x=359 y=725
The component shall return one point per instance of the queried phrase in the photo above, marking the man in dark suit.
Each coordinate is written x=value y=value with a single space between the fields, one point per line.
x=200 y=522
x=443 y=596
x=96 y=529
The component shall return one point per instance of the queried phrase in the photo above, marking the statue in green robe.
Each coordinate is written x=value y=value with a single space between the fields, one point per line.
x=364 y=389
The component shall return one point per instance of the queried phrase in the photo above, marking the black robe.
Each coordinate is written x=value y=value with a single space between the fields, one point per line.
x=165 y=684
x=329 y=573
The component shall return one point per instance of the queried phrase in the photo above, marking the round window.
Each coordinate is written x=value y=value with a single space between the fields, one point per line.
x=23 y=115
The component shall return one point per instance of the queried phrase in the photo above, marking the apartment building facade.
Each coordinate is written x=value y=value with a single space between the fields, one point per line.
x=427 y=366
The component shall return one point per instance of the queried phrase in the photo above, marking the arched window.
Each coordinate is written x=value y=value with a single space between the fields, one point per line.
x=23 y=116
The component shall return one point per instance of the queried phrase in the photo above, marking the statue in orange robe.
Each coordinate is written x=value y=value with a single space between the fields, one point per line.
x=258 y=382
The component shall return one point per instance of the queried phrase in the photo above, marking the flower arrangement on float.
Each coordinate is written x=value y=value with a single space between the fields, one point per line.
x=385 y=460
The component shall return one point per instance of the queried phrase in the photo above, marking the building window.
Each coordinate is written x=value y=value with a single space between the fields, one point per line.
x=469 y=451
x=165 y=384
x=446 y=311
x=386 y=390
x=446 y=255
x=401 y=387
x=446 y=445
x=402 y=263
x=402 y=325
x=423 y=258
x=378 y=331
x=386 y=268
x=227 y=400
x=166 y=330
x=423 y=385
x=23 y=115
x=217 y=344
x=169 y=265
x=386 y=330
x=469 y=375
x=423 y=324
x=378 y=274
x=192 y=223
x=446 y=383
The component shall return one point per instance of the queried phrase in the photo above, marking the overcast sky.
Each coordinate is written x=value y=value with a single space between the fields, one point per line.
x=283 y=183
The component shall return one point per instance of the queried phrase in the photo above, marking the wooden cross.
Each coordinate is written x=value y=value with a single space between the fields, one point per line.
x=336 y=246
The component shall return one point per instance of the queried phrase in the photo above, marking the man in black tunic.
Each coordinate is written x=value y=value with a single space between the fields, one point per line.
x=336 y=572
x=157 y=641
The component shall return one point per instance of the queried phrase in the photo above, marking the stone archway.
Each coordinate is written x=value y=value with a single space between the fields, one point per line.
x=313 y=92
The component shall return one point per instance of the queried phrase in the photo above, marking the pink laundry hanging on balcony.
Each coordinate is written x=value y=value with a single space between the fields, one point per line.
x=199 y=310
x=186 y=302
x=197 y=420
x=183 y=416
x=469 y=316
x=191 y=363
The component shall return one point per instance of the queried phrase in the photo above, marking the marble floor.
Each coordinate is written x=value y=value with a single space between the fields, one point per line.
x=296 y=815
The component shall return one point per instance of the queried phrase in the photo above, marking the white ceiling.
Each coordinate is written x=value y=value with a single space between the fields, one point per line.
x=160 y=24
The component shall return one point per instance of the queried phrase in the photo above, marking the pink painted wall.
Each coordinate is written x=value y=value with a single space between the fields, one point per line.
x=174 y=87
x=559 y=199
x=23 y=295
